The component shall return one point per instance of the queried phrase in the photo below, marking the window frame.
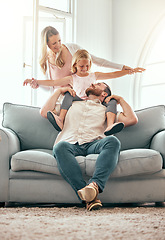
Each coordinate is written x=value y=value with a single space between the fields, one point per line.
x=57 y=13
x=146 y=49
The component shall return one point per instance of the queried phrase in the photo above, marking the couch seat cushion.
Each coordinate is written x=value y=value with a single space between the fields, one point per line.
x=131 y=162
x=40 y=160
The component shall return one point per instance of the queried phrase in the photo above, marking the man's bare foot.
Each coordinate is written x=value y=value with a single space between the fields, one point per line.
x=114 y=128
x=55 y=121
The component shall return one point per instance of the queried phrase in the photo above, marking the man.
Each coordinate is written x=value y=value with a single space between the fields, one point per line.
x=83 y=134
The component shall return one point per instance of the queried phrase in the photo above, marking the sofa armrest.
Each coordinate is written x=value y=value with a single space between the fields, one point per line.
x=158 y=144
x=9 y=145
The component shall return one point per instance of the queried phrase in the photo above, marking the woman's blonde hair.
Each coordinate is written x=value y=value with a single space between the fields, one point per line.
x=46 y=33
x=79 y=55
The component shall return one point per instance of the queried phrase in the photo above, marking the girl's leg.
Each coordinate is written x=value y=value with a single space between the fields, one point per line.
x=111 y=112
x=58 y=121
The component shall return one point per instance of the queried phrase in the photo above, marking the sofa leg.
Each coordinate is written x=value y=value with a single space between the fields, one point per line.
x=2 y=204
x=159 y=204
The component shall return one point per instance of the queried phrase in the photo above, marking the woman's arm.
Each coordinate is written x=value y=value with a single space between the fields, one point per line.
x=117 y=74
x=72 y=47
x=50 y=104
x=106 y=63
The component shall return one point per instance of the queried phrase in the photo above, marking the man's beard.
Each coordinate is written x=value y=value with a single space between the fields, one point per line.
x=93 y=91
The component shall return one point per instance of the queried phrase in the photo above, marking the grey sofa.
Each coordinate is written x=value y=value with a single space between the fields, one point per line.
x=29 y=173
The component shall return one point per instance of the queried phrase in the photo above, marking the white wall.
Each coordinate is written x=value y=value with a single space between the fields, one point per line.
x=94 y=26
x=133 y=21
x=117 y=30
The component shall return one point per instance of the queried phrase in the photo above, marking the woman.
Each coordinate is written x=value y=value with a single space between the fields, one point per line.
x=56 y=58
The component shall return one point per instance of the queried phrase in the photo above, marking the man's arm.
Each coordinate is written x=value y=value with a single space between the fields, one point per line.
x=128 y=116
x=52 y=100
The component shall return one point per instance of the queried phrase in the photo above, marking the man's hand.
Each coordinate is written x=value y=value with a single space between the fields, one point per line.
x=116 y=97
x=63 y=90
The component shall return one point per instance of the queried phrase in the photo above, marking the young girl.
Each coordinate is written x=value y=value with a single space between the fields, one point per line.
x=81 y=79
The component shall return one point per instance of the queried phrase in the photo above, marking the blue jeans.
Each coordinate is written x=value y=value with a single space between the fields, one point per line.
x=108 y=149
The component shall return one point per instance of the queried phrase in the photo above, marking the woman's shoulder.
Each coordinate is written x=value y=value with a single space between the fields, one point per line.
x=72 y=47
x=51 y=57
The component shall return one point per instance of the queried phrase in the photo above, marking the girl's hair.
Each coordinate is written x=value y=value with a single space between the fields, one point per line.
x=46 y=33
x=79 y=55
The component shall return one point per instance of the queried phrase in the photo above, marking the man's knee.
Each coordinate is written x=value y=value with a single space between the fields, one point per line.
x=112 y=141
x=60 y=147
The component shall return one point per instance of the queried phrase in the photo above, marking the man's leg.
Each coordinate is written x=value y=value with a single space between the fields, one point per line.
x=108 y=149
x=69 y=168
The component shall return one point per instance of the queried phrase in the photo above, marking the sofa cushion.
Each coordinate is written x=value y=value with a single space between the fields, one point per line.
x=32 y=130
x=39 y=160
x=131 y=162
x=151 y=120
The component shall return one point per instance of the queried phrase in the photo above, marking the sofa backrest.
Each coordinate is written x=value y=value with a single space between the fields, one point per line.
x=35 y=131
x=32 y=129
x=150 y=121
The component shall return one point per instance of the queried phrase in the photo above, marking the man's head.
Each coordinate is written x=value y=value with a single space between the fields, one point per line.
x=101 y=90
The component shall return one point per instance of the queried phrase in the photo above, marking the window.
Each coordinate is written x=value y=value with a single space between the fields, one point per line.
x=150 y=86
x=57 y=13
x=12 y=50
x=61 y=5
x=20 y=49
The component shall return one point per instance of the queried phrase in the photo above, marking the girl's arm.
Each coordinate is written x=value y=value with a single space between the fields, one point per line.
x=59 y=82
x=117 y=74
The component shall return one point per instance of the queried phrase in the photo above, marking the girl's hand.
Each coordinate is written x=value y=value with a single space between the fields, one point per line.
x=139 y=69
x=25 y=83
x=34 y=83
x=63 y=90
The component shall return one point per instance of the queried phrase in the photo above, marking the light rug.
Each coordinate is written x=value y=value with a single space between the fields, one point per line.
x=74 y=222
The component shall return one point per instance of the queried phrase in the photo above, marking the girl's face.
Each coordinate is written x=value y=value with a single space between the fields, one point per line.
x=54 y=43
x=83 y=67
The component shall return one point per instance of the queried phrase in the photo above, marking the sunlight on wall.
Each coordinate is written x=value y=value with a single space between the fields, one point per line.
x=151 y=84
x=11 y=60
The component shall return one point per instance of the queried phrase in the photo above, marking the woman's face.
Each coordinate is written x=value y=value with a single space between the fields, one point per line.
x=54 y=43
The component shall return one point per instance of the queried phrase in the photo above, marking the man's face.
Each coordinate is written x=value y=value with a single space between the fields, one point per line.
x=96 y=89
